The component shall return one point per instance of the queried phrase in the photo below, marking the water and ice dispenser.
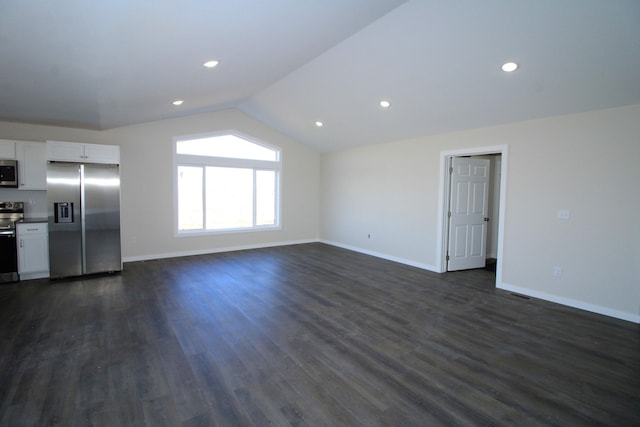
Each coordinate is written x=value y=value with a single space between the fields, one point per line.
x=63 y=212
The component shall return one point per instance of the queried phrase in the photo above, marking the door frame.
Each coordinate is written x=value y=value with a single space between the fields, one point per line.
x=443 y=202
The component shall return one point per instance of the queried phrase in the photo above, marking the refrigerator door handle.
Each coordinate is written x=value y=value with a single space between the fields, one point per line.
x=83 y=219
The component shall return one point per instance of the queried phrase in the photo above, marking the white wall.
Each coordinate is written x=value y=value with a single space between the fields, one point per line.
x=147 y=182
x=587 y=163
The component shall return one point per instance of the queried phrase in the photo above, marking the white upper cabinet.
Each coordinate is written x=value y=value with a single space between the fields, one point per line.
x=7 y=149
x=65 y=151
x=97 y=153
x=32 y=165
x=87 y=153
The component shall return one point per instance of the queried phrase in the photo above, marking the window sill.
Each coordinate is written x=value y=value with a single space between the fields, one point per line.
x=195 y=233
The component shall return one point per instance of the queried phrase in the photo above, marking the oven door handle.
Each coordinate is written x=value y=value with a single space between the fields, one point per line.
x=10 y=233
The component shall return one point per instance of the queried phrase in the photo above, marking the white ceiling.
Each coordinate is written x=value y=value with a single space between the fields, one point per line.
x=103 y=64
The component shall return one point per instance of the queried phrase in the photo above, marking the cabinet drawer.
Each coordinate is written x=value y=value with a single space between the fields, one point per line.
x=33 y=228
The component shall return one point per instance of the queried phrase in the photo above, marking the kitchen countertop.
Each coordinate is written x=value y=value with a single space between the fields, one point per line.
x=33 y=220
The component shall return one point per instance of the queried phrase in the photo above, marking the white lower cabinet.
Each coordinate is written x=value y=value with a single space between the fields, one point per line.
x=33 y=250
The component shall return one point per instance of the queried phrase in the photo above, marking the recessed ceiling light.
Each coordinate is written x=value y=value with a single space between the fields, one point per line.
x=319 y=124
x=211 y=64
x=509 y=67
x=385 y=104
x=177 y=102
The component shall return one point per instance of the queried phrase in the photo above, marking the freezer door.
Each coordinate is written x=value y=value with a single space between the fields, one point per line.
x=101 y=218
x=65 y=231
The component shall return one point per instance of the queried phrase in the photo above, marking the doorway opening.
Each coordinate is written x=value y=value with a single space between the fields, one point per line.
x=482 y=236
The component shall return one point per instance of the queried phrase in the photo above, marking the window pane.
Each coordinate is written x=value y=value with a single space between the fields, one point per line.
x=226 y=146
x=265 y=197
x=190 y=198
x=229 y=198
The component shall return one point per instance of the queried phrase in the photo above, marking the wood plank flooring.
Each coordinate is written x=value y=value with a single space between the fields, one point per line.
x=306 y=335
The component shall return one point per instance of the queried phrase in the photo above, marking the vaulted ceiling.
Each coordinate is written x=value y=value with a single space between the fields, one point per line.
x=103 y=64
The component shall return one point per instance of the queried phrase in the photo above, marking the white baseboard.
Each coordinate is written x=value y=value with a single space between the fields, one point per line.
x=623 y=315
x=214 y=250
x=381 y=255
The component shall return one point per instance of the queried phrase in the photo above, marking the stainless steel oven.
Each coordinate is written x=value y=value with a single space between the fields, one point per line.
x=10 y=212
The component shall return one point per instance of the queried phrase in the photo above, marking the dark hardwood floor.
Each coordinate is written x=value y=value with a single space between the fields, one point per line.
x=306 y=335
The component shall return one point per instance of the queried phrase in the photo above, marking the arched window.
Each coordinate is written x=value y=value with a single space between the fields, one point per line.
x=226 y=182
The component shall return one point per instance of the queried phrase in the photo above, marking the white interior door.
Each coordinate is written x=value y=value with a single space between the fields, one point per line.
x=468 y=207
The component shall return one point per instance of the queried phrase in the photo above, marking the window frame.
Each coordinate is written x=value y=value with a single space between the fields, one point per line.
x=192 y=160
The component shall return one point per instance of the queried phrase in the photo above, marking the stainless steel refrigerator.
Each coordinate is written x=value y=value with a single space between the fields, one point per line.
x=84 y=218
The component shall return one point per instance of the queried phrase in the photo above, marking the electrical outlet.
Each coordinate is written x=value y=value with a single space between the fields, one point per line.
x=557 y=271
x=563 y=214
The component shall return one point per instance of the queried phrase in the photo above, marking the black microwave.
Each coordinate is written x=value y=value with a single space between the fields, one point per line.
x=9 y=173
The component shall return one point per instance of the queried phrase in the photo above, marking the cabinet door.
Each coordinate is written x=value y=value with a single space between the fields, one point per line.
x=65 y=151
x=32 y=165
x=33 y=253
x=7 y=149
x=85 y=153
x=98 y=153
